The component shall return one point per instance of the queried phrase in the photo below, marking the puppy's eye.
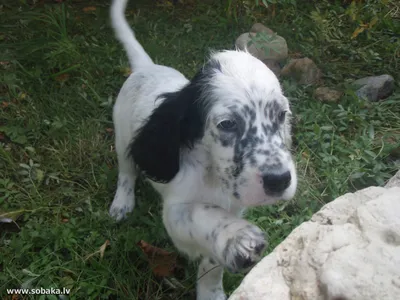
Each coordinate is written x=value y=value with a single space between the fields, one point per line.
x=227 y=125
x=282 y=116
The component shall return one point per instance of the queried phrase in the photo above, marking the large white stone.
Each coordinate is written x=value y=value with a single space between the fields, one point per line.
x=349 y=250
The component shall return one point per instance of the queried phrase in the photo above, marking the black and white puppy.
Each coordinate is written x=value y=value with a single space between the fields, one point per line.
x=211 y=147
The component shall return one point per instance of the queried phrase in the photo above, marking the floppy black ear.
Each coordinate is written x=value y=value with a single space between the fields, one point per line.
x=177 y=122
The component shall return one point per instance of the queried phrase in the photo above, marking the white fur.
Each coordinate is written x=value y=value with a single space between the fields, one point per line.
x=199 y=212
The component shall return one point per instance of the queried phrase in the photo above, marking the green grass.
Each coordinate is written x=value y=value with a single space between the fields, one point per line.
x=60 y=73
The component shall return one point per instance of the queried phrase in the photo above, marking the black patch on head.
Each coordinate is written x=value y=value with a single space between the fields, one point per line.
x=176 y=123
x=244 y=148
x=274 y=112
x=282 y=116
x=249 y=112
x=214 y=65
x=270 y=130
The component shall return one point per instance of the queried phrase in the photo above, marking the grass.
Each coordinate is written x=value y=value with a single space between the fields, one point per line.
x=61 y=69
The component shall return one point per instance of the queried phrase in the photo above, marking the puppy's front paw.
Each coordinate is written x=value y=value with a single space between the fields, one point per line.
x=119 y=212
x=244 y=249
x=124 y=199
x=121 y=206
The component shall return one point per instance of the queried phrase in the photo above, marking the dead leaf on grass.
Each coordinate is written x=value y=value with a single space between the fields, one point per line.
x=101 y=251
x=103 y=248
x=5 y=64
x=162 y=262
x=89 y=9
x=22 y=96
x=357 y=32
x=62 y=78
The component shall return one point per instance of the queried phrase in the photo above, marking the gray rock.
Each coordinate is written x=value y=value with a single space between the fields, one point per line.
x=273 y=65
x=391 y=142
x=303 y=70
x=326 y=94
x=258 y=27
x=375 y=88
x=264 y=44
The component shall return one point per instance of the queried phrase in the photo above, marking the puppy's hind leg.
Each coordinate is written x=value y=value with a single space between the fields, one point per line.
x=124 y=199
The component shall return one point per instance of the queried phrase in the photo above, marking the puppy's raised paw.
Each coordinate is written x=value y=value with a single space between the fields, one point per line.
x=244 y=249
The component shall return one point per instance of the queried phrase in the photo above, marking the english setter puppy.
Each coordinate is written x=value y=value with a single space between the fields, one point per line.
x=210 y=146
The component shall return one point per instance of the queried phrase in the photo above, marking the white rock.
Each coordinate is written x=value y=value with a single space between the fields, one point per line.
x=394 y=181
x=349 y=250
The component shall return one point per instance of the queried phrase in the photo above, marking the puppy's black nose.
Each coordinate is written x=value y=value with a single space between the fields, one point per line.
x=276 y=183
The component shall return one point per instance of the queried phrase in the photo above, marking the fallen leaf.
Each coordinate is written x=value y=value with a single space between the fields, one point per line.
x=62 y=78
x=22 y=96
x=89 y=9
x=103 y=248
x=305 y=155
x=5 y=64
x=65 y=220
x=162 y=262
x=357 y=32
x=373 y=22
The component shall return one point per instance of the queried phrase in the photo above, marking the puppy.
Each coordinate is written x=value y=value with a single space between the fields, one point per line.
x=210 y=146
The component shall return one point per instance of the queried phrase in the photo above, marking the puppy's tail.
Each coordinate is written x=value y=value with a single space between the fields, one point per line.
x=136 y=54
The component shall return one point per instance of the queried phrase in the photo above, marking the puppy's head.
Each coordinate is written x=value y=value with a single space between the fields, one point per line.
x=234 y=109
